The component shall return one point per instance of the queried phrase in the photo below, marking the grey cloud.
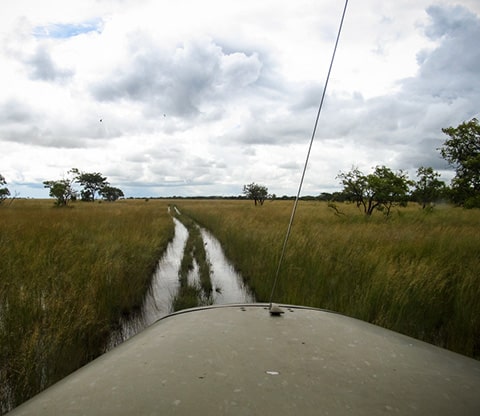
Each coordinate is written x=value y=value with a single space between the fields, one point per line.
x=295 y=166
x=254 y=134
x=426 y=154
x=138 y=157
x=446 y=90
x=171 y=166
x=181 y=82
x=42 y=67
x=309 y=97
x=20 y=123
x=147 y=154
x=269 y=127
x=42 y=136
x=34 y=54
x=13 y=111
x=452 y=20
x=450 y=71
x=393 y=126
x=406 y=125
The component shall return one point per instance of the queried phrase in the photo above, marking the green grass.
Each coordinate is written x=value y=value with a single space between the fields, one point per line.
x=66 y=277
x=194 y=251
x=187 y=297
x=416 y=272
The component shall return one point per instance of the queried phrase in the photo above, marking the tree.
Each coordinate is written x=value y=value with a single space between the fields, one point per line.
x=92 y=183
x=356 y=189
x=462 y=150
x=381 y=190
x=61 y=190
x=111 y=193
x=256 y=192
x=4 y=192
x=428 y=188
x=325 y=196
x=389 y=188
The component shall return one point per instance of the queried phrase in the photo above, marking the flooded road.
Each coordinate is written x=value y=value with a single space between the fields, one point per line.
x=228 y=286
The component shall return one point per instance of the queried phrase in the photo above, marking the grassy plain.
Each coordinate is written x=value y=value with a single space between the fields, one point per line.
x=416 y=272
x=66 y=277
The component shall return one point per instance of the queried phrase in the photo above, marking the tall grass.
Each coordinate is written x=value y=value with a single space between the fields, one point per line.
x=66 y=277
x=416 y=272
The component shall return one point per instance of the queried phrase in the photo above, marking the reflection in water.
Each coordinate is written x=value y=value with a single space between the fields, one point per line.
x=228 y=286
x=165 y=283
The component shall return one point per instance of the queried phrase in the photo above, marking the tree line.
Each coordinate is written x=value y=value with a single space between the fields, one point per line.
x=92 y=185
x=384 y=188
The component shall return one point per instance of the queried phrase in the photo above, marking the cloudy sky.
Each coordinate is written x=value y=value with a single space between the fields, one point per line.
x=191 y=97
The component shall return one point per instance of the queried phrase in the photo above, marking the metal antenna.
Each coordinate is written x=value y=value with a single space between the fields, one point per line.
x=294 y=210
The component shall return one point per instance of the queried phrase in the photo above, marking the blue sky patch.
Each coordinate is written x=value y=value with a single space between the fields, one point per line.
x=68 y=30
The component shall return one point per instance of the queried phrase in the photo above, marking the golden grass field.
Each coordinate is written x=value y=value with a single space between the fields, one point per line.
x=68 y=274
x=66 y=277
x=416 y=272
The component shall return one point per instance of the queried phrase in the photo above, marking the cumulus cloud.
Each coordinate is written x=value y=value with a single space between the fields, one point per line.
x=203 y=103
x=180 y=82
x=444 y=91
x=42 y=67
x=12 y=111
x=450 y=71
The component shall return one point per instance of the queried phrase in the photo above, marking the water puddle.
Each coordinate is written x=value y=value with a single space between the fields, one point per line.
x=228 y=286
